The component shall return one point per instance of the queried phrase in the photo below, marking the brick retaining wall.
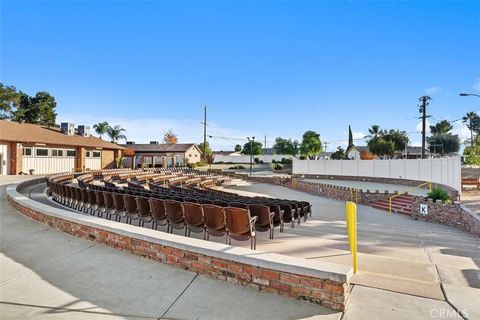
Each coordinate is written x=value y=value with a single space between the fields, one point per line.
x=329 y=293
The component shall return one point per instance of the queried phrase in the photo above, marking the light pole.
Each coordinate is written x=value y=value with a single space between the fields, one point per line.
x=463 y=94
x=251 y=153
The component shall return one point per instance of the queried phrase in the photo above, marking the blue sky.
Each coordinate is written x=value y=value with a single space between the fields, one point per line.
x=264 y=68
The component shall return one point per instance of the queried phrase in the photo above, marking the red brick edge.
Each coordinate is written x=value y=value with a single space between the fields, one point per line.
x=325 y=292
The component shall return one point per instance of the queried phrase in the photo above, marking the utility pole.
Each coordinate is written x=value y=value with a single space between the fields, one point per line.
x=251 y=153
x=325 y=144
x=265 y=146
x=205 y=132
x=423 y=110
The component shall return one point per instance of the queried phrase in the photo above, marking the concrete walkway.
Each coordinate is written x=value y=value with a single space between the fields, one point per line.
x=471 y=199
x=403 y=266
x=46 y=274
x=396 y=253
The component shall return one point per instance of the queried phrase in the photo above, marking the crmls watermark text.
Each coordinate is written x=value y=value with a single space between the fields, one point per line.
x=442 y=313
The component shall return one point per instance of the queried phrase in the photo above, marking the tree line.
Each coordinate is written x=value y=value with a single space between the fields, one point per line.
x=18 y=106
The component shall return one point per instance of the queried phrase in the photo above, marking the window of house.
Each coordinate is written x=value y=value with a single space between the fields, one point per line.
x=71 y=153
x=96 y=154
x=57 y=153
x=88 y=154
x=190 y=155
x=27 y=151
x=41 y=152
x=195 y=155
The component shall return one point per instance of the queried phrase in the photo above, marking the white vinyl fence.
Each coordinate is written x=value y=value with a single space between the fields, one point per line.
x=46 y=165
x=443 y=170
x=246 y=158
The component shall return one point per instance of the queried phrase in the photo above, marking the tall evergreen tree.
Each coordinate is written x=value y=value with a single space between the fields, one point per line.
x=350 y=137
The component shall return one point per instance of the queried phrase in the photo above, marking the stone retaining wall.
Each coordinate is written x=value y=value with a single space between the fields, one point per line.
x=339 y=192
x=407 y=182
x=288 y=276
x=453 y=214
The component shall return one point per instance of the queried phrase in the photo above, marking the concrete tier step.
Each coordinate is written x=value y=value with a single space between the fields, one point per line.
x=394 y=209
x=400 y=204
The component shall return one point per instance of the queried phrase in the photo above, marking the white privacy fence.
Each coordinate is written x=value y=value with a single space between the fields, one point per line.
x=246 y=158
x=446 y=171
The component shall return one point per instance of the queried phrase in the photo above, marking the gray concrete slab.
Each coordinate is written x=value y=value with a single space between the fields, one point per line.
x=207 y=300
x=466 y=300
x=15 y=311
x=370 y=303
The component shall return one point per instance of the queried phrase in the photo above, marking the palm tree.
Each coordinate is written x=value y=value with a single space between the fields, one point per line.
x=115 y=133
x=374 y=131
x=101 y=128
x=442 y=127
x=472 y=120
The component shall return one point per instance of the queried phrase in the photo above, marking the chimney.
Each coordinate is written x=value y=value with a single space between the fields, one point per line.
x=130 y=142
x=153 y=142
x=84 y=130
x=67 y=128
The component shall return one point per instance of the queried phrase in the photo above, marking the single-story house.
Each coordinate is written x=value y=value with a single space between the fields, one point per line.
x=353 y=152
x=325 y=155
x=32 y=148
x=156 y=154
x=412 y=153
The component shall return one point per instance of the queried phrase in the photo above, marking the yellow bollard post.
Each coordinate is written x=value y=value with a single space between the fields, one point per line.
x=351 y=217
x=354 y=238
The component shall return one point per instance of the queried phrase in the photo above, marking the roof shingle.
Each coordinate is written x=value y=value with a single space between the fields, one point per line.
x=34 y=133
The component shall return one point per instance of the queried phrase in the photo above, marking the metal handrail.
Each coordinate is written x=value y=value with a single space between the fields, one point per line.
x=354 y=193
x=407 y=191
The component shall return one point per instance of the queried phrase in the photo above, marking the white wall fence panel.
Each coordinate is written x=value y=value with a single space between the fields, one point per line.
x=93 y=163
x=443 y=170
x=246 y=158
x=45 y=165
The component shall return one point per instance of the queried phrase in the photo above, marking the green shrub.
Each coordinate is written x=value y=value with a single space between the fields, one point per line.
x=273 y=161
x=286 y=161
x=261 y=162
x=201 y=164
x=277 y=166
x=237 y=168
x=192 y=165
x=256 y=160
x=439 y=194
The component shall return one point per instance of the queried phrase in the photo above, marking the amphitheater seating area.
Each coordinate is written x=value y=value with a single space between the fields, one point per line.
x=178 y=198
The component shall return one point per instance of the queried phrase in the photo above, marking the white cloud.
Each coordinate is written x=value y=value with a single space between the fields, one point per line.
x=419 y=127
x=461 y=130
x=415 y=144
x=432 y=90
x=144 y=130
x=476 y=86
x=358 y=135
